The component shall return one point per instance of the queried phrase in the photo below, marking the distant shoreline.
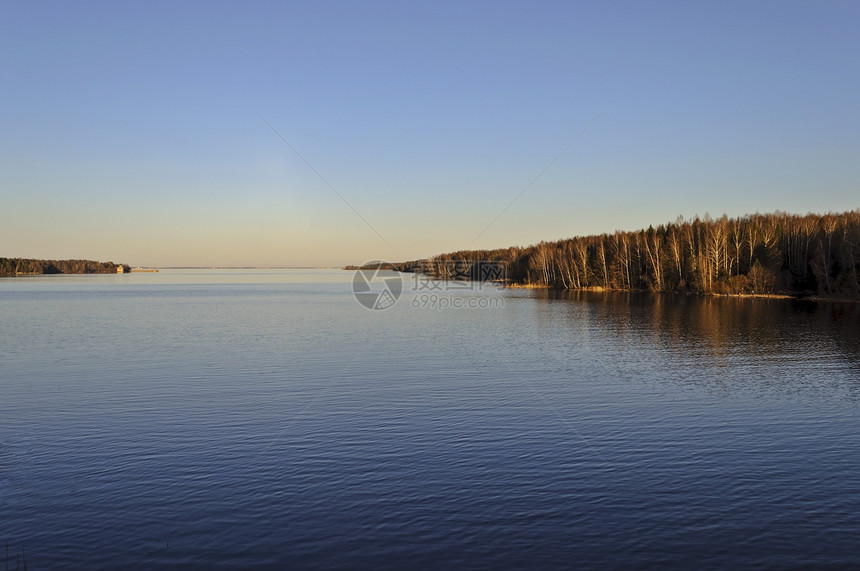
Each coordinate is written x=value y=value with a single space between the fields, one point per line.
x=249 y=267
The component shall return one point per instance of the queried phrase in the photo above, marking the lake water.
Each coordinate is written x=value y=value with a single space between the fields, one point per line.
x=264 y=418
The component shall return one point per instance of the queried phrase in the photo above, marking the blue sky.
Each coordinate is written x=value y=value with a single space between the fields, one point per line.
x=132 y=131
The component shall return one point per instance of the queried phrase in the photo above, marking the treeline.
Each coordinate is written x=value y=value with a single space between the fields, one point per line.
x=14 y=266
x=775 y=253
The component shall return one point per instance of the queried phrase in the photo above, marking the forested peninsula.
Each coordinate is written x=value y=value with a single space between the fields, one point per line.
x=759 y=254
x=19 y=266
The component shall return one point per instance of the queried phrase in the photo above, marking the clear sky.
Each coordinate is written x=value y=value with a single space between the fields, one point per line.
x=132 y=132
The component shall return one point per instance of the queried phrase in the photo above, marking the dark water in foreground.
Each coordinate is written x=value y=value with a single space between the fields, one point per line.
x=265 y=419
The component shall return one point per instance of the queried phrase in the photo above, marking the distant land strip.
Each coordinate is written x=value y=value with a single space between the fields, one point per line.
x=250 y=267
x=25 y=266
x=758 y=254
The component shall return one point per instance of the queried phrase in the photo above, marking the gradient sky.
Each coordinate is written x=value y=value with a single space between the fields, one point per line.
x=132 y=132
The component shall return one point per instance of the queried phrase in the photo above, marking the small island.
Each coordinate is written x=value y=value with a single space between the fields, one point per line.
x=26 y=266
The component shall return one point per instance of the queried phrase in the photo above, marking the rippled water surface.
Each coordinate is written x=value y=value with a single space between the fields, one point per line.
x=265 y=419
